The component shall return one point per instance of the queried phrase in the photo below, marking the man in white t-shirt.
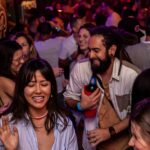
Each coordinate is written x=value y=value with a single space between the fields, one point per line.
x=69 y=46
x=48 y=48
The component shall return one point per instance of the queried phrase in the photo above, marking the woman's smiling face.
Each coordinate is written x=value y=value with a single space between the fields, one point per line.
x=37 y=92
x=83 y=39
x=138 y=140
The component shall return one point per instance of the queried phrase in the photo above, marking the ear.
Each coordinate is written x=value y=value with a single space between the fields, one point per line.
x=112 y=50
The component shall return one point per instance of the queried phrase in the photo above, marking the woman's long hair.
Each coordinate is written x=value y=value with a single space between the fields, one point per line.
x=7 y=51
x=20 y=105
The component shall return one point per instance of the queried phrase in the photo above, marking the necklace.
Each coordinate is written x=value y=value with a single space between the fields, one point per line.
x=39 y=117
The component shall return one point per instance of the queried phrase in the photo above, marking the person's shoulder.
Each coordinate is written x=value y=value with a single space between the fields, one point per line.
x=131 y=67
x=83 y=61
x=135 y=46
x=5 y=81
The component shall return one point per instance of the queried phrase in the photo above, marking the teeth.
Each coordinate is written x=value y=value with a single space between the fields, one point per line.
x=38 y=98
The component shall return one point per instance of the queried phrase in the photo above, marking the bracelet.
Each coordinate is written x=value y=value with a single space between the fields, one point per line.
x=112 y=131
x=79 y=107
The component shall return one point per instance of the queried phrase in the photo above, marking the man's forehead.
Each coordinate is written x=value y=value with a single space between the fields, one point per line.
x=96 y=39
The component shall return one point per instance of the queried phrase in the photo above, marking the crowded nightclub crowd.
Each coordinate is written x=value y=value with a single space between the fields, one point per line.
x=76 y=75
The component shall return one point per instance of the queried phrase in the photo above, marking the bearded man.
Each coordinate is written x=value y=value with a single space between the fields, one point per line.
x=112 y=97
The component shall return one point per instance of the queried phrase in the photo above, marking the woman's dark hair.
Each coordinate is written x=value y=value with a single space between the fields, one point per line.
x=20 y=105
x=7 y=50
x=88 y=27
x=44 y=28
x=141 y=87
x=141 y=116
x=21 y=34
x=33 y=52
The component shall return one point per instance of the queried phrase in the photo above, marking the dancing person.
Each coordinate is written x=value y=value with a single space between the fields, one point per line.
x=36 y=120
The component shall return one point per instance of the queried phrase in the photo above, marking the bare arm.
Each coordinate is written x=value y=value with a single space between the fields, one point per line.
x=7 y=87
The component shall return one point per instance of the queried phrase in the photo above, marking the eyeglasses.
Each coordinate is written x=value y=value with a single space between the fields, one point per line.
x=19 y=59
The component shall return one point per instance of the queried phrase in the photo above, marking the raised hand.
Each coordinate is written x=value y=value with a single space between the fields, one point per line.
x=58 y=71
x=9 y=137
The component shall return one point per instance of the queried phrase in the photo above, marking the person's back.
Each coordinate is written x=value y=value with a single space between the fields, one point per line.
x=113 y=17
x=48 y=48
x=140 y=53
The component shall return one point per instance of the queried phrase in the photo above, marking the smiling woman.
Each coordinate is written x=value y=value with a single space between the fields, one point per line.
x=27 y=45
x=11 y=59
x=36 y=114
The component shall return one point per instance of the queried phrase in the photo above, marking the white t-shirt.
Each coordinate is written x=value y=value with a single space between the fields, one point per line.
x=49 y=50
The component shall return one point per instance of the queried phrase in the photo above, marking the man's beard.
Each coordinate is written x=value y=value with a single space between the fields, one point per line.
x=101 y=66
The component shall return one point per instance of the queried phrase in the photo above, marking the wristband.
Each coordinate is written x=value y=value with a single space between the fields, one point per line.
x=79 y=107
x=112 y=131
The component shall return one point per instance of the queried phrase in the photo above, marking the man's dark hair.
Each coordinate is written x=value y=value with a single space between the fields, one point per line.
x=118 y=37
x=44 y=28
x=73 y=21
x=113 y=35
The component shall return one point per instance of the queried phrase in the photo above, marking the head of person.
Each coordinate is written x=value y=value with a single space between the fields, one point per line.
x=26 y=43
x=105 y=44
x=141 y=87
x=36 y=92
x=11 y=58
x=33 y=21
x=84 y=35
x=131 y=25
x=58 y=22
x=20 y=27
x=76 y=23
x=106 y=6
x=45 y=30
x=140 y=125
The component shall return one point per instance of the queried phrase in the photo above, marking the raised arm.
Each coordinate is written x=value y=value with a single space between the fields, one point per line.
x=9 y=137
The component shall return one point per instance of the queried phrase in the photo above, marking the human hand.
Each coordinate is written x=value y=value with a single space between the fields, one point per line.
x=58 y=71
x=8 y=137
x=90 y=101
x=64 y=83
x=98 y=135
